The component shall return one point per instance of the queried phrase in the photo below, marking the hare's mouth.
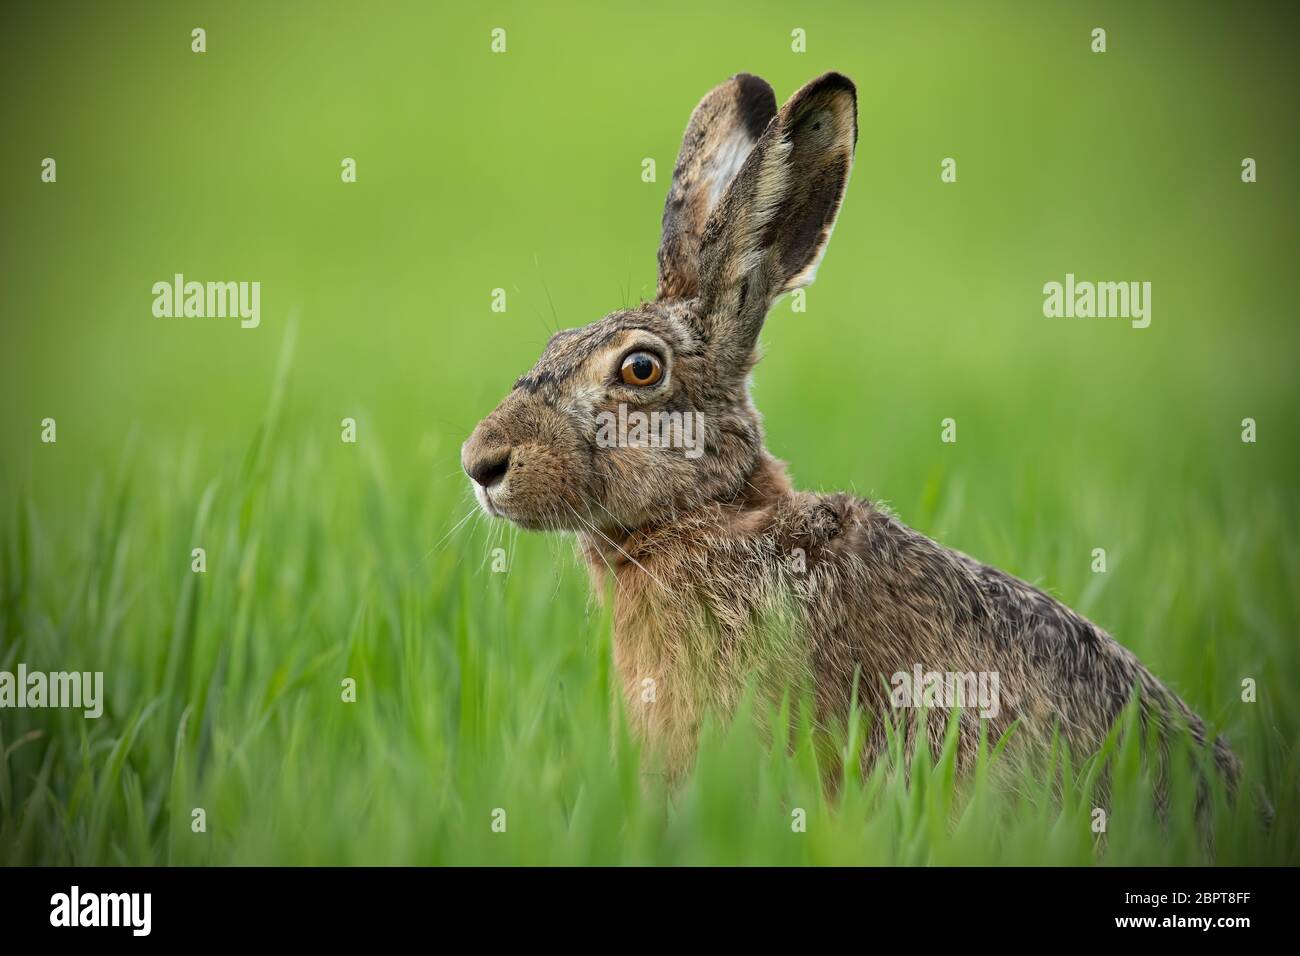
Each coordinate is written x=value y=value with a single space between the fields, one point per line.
x=494 y=508
x=485 y=501
x=547 y=519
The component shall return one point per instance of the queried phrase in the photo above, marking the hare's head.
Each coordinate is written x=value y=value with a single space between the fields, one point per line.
x=646 y=413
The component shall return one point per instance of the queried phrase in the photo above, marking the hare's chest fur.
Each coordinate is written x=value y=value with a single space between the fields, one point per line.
x=823 y=595
x=730 y=603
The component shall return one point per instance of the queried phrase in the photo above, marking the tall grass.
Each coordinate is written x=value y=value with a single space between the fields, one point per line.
x=479 y=692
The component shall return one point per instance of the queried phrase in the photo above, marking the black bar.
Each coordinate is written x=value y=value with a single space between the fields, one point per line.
x=334 y=906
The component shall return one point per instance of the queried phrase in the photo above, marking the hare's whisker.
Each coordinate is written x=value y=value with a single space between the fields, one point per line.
x=602 y=507
x=604 y=560
x=613 y=544
x=545 y=288
x=472 y=511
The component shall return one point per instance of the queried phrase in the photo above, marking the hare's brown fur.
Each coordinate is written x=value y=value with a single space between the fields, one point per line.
x=723 y=575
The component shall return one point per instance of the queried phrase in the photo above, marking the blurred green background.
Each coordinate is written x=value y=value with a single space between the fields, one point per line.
x=522 y=171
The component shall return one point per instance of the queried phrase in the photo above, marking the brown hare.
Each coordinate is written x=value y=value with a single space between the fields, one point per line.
x=705 y=542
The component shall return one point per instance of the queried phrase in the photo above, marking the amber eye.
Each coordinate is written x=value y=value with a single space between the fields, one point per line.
x=641 y=368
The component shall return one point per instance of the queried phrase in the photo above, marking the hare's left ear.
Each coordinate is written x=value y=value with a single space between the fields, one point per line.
x=769 y=232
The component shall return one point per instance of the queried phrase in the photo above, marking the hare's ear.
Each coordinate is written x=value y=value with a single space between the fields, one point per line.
x=769 y=232
x=722 y=131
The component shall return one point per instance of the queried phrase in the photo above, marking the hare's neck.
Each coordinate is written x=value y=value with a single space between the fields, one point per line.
x=622 y=550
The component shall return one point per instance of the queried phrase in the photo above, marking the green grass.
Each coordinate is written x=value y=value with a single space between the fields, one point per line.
x=478 y=690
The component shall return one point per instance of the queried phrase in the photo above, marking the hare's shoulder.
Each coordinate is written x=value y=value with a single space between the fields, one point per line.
x=847 y=530
x=873 y=552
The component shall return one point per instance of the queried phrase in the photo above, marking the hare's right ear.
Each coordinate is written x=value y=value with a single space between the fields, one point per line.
x=722 y=131
x=769 y=232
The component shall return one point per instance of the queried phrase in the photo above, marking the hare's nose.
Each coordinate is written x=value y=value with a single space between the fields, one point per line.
x=487 y=466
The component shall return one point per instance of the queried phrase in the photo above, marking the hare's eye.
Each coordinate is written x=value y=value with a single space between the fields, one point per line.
x=641 y=368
